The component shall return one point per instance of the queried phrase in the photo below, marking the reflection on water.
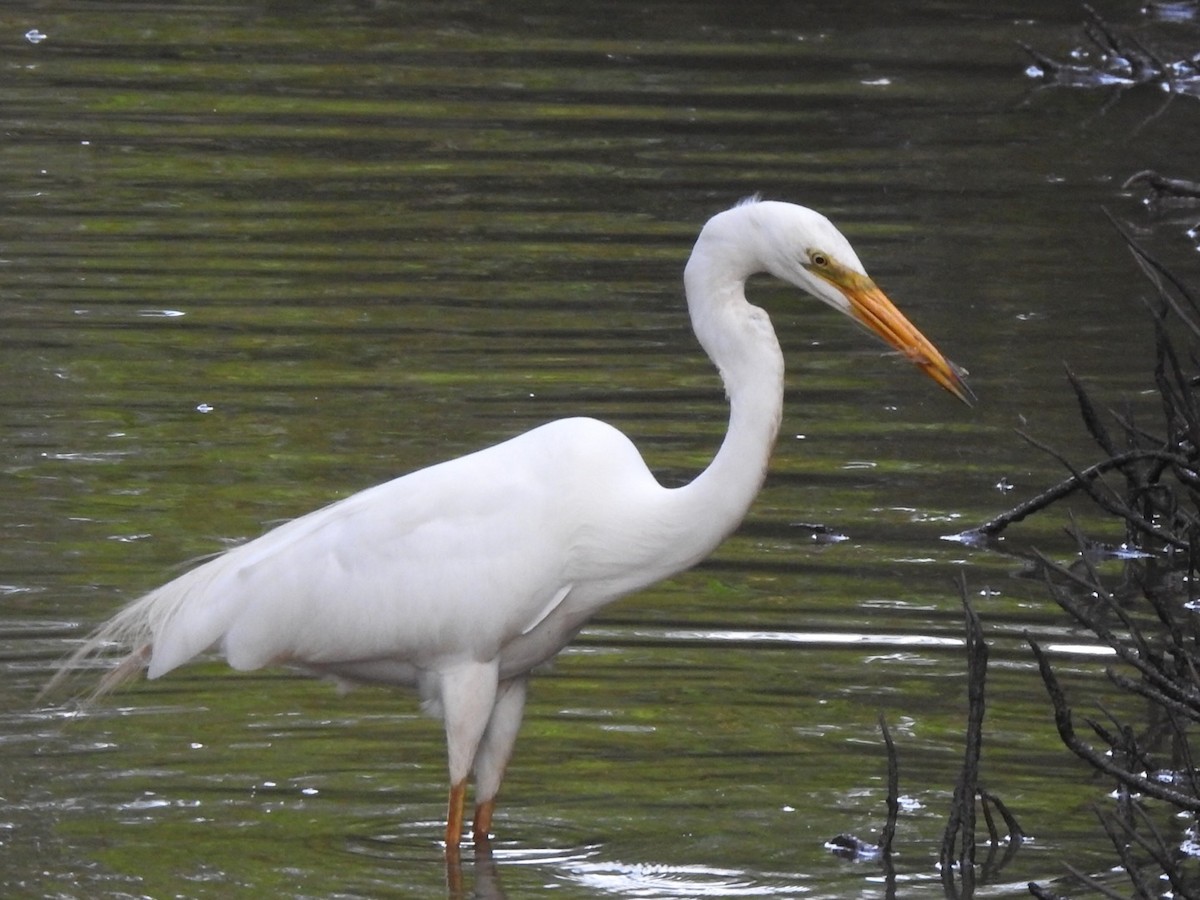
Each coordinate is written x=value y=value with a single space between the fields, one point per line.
x=254 y=258
x=649 y=880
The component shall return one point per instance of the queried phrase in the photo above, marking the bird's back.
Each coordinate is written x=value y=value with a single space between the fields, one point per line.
x=454 y=560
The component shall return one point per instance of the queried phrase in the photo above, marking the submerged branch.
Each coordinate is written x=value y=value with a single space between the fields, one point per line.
x=958 y=841
x=1094 y=758
x=1079 y=480
x=893 y=809
x=1163 y=186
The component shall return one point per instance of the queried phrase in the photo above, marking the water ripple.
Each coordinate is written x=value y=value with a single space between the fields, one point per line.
x=754 y=637
x=660 y=880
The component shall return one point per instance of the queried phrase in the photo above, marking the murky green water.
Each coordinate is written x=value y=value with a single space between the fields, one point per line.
x=255 y=257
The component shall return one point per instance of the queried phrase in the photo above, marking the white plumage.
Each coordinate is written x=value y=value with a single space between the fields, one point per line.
x=460 y=578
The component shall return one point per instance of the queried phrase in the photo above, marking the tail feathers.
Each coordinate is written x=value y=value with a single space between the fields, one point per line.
x=150 y=624
x=131 y=628
x=126 y=670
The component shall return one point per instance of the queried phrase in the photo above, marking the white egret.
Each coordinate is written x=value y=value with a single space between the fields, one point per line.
x=460 y=578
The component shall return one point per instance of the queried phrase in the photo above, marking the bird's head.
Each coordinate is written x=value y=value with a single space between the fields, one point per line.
x=802 y=247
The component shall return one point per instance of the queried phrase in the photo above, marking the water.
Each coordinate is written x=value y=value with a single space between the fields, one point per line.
x=255 y=258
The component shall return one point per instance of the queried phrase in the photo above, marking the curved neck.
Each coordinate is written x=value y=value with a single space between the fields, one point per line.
x=740 y=341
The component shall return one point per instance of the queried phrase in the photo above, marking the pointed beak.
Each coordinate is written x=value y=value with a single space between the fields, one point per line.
x=872 y=308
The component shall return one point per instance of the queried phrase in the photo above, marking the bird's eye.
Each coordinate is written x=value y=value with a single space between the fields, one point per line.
x=818 y=259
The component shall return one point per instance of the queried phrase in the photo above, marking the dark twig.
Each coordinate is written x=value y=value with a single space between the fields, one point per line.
x=958 y=841
x=893 y=810
x=1078 y=480
x=1099 y=761
x=1120 y=60
x=1147 y=619
x=1110 y=501
x=1163 y=186
x=893 y=790
x=1091 y=419
x=1139 y=656
x=1119 y=832
x=1188 y=710
x=1156 y=848
x=1016 y=836
x=1161 y=277
x=1015 y=833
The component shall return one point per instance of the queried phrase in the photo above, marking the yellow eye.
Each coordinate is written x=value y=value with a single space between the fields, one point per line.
x=818 y=259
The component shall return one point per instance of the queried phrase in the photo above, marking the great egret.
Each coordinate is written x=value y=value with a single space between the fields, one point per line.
x=460 y=578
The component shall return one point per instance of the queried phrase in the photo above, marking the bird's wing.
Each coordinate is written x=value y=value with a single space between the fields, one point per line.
x=454 y=559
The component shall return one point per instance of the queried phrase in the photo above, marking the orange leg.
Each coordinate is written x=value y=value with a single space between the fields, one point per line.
x=454 y=815
x=482 y=827
x=454 y=878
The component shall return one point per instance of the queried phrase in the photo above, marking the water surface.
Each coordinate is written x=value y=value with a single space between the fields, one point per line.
x=255 y=258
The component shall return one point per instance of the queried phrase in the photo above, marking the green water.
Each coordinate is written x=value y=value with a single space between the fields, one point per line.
x=256 y=257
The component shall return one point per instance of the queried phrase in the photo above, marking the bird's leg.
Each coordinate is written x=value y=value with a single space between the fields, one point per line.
x=454 y=878
x=481 y=828
x=468 y=694
x=454 y=815
x=495 y=749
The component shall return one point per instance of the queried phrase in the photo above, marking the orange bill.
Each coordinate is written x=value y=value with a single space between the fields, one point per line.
x=871 y=307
